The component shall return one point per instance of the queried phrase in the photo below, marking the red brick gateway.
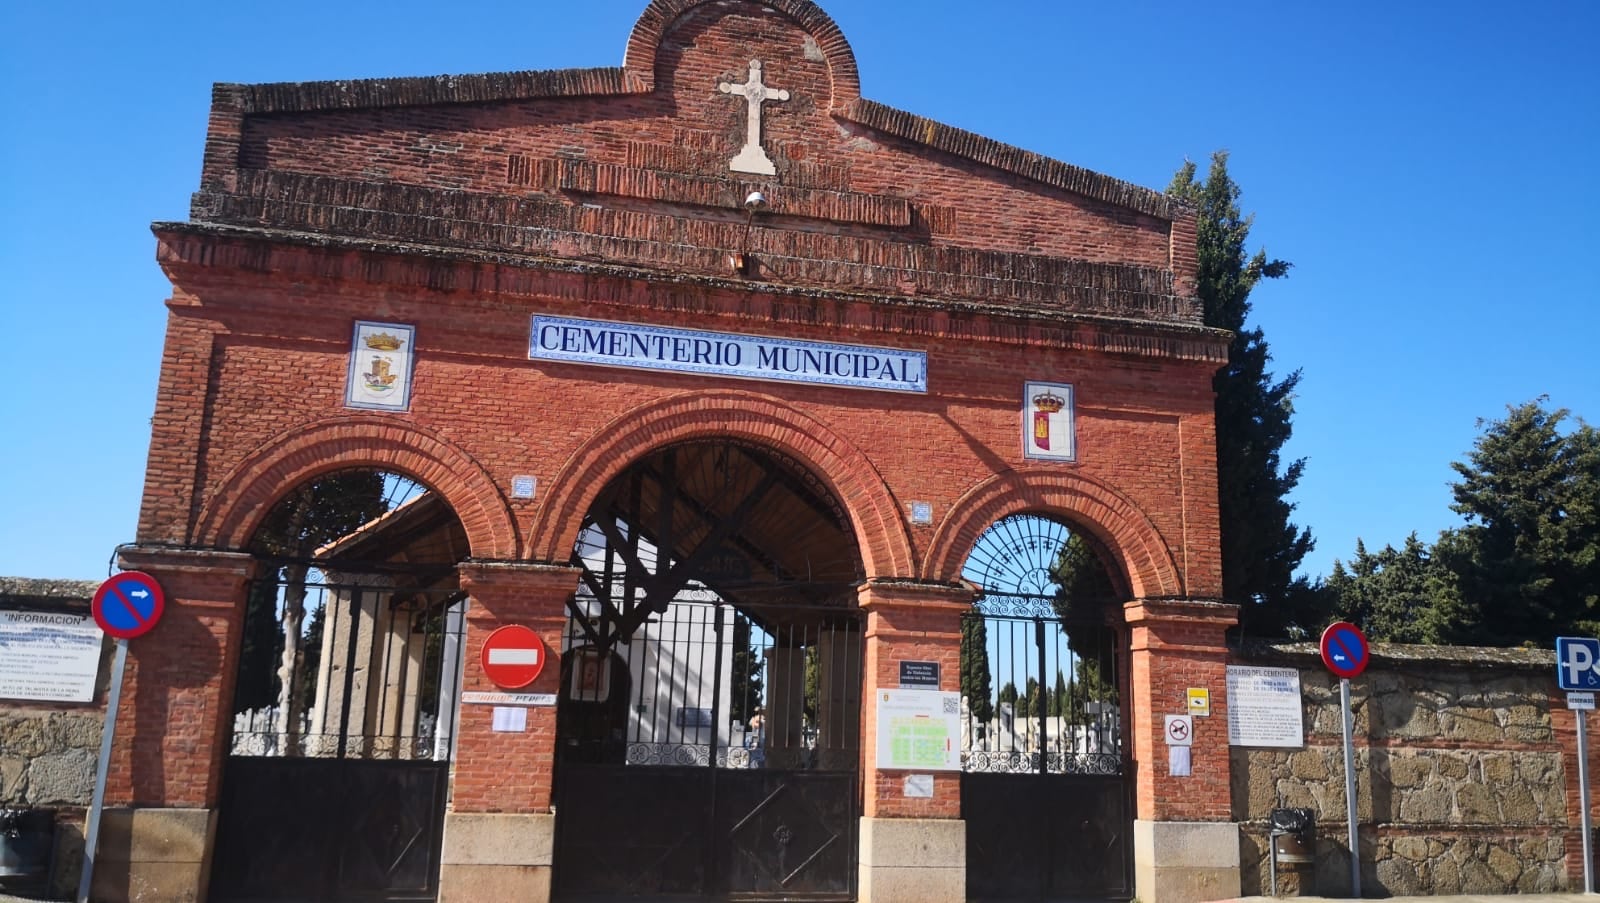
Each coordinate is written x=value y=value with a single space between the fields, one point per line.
x=713 y=304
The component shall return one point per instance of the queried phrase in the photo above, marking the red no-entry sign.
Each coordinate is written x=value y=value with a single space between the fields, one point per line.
x=128 y=605
x=513 y=657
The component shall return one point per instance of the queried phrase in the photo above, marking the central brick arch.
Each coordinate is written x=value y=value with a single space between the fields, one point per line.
x=1113 y=519
x=244 y=498
x=880 y=529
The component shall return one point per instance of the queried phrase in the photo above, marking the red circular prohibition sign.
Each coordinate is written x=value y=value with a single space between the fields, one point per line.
x=1345 y=650
x=513 y=657
x=128 y=605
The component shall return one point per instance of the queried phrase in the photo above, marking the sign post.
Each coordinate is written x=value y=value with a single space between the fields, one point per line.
x=1345 y=652
x=1578 y=670
x=125 y=606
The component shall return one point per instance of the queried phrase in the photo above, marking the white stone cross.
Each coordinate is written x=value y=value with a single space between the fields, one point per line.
x=752 y=158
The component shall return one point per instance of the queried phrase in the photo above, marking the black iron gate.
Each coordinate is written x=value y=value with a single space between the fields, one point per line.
x=341 y=797
x=714 y=755
x=1045 y=788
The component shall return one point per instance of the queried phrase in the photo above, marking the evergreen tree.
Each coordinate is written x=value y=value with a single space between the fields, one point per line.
x=1008 y=696
x=1084 y=584
x=1527 y=561
x=975 y=678
x=257 y=687
x=1395 y=595
x=1008 y=693
x=1060 y=701
x=745 y=683
x=1261 y=548
x=1028 y=705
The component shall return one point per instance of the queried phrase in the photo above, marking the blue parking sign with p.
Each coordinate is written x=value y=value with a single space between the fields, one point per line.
x=1578 y=663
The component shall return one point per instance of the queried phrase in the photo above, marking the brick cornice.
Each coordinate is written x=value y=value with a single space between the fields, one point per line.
x=887 y=594
x=188 y=250
x=1205 y=612
x=1009 y=158
x=1192 y=627
x=356 y=94
x=188 y=560
x=887 y=259
x=511 y=576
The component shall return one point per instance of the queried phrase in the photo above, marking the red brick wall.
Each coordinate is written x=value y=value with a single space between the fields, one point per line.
x=177 y=694
x=469 y=147
x=1176 y=646
x=464 y=206
x=488 y=413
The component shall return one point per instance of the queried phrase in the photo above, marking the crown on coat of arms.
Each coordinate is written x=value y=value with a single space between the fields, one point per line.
x=382 y=341
x=1049 y=402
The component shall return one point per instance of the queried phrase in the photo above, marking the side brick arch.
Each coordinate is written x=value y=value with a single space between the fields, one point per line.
x=230 y=517
x=1114 y=520
x=645 y=42
x=880 y=529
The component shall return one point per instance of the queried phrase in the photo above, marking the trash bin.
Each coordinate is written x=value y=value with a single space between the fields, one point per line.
x=1291 y=840
x=26 y=838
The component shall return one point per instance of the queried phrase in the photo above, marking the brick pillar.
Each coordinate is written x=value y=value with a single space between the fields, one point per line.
x=912 y=850
x=499 y=832
x=172 y=729
x=1186 y=846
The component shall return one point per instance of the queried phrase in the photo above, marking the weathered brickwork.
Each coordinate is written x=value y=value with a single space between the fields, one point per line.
x=1465 y=767
x=462 y=206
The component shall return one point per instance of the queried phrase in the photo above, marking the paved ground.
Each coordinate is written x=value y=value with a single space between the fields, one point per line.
x=1520 y=898
x=1465 y=898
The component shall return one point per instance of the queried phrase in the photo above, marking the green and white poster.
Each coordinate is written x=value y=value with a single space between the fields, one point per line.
x=919 y=730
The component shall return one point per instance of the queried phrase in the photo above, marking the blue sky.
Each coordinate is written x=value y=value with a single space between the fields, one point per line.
x=1427 y=166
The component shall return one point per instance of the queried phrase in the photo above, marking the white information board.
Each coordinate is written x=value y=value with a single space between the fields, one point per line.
x=48 y=656
x=1264 y=707
x=919 y=730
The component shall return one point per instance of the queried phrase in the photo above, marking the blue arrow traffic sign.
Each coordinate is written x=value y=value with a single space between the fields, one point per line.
x=1345 y=650
x=128 y=605
x=1578 y=663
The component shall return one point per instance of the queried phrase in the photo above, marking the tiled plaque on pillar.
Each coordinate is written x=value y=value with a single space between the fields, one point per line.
x=1047 y=422
x=380 y=367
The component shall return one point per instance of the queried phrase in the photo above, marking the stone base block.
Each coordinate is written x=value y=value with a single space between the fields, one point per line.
x=913 y=860
x=149 y=855
x=496 y=857
x=1185 y=862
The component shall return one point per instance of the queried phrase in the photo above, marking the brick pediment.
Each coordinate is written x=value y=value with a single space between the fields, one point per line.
x=650 y=165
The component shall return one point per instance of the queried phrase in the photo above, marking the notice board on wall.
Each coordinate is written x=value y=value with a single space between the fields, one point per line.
x=48 y=656
x=1265 y=707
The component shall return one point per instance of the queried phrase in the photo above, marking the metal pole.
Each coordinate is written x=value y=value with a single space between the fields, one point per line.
x=1350 y=787
x=92 y=833
x=1583 y=802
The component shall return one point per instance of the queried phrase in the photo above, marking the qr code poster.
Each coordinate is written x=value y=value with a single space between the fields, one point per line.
x=919 y=730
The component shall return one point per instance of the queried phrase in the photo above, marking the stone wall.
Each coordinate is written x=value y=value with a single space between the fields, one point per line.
x=48 y=751
x=1465 y=775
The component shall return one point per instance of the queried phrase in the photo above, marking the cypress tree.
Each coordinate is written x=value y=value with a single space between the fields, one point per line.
x=1261 y=548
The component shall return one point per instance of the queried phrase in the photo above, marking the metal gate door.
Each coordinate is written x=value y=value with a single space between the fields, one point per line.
x=714 y=755
x=1045 y=787
x=342 y=797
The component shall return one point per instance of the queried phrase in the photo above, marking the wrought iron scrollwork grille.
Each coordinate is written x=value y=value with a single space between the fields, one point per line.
x=1046 y=783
